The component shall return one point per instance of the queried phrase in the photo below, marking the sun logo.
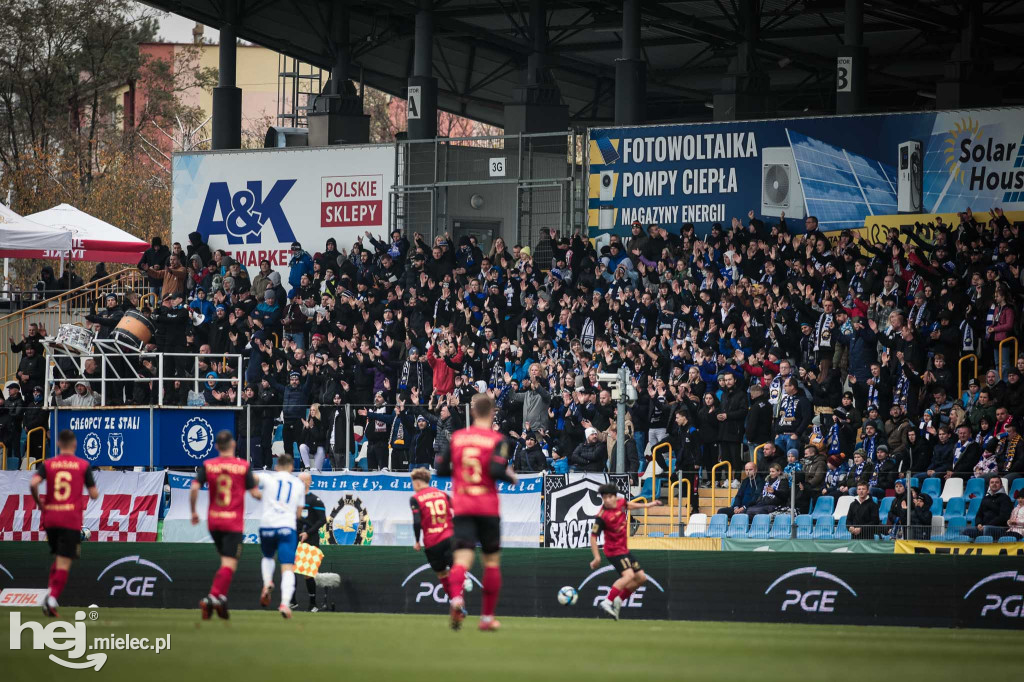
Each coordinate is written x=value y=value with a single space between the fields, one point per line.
x=968 y=129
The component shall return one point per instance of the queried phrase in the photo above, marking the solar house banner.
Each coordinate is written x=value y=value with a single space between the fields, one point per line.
x=849 y=171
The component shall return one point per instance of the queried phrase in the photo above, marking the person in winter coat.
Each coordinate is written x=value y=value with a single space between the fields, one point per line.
x=301 y=263
x=529 y=457
x=883 y=476
x=262 y=280
x=758 y=422
x=862 y=517
x=295 y=401
x=311 y=439
x=731 y=419
x=814 y=469
x=590 y=455
x=773 y=494
x=197 y=247
x=535 y=400
x=35 y=415
x=749 y=490
x=861 y=470
x=994 y=512
x=443 y=373
x=420 y=438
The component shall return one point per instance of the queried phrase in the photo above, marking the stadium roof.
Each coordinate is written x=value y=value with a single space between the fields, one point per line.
x=481 y=47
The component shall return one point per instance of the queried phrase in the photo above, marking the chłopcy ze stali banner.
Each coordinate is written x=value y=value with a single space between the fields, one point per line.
x=848 y=171
x=126 y=511
x=254 y=204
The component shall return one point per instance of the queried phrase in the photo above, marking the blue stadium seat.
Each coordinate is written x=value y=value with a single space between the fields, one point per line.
x=822 y=528
x=804 y=523
x=673 y=535
x=983 y=539
x=975 y=488
x=760 y=527
x=1009 y=538
x=782 y=528
x=738 y=526
x=824 y=506
x=955 y=507
x=972 y=510
x=12 y=463
x=841 y=531
x=915 y=483
x=656 y=534
x=954 y=526
x=1015 y=486
x=717 y=526
x=932 y=487
x=884 y=507
x=936 y=506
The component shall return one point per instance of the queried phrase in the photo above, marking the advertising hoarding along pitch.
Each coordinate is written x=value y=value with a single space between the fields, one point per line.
x=254 y=204
x=848 y=171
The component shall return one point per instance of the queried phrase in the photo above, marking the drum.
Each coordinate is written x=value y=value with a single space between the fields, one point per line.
x=134 y=330
x=75 y=339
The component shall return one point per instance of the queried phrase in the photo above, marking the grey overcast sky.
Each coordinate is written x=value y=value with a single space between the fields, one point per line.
x=178 y=29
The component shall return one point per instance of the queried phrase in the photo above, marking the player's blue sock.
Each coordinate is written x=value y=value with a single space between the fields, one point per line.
x=267 y=568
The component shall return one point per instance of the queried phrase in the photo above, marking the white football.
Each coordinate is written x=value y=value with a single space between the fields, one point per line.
x=86 y=533
x=567 y=596
x=467 y=585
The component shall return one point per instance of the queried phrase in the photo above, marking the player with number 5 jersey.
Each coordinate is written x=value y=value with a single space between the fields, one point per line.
x=284 y=498
x=477 y=459
x=228 y=478
x=65 y=475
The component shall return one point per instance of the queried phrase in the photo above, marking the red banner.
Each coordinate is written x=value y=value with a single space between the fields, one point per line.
x=126 y=511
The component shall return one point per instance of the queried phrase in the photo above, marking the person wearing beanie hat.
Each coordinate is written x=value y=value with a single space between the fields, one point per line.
x=835 y=476
x=592 y=454
x=301 y=263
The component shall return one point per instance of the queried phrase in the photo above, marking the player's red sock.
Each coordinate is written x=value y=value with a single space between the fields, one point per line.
x=446 y=583
x=613 y=593
x=222 y=582
x=456 y=579
x=58 y=580
x=492 y=586
x=626 y=594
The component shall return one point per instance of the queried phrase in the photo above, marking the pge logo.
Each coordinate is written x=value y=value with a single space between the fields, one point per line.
x=132 y=582
x=997 y=601
x=244 y=214
x=635 y=601
x=811 y=600
x=431 y=589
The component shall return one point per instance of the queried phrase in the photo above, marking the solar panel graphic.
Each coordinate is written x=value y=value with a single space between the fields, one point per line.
x=841 y=187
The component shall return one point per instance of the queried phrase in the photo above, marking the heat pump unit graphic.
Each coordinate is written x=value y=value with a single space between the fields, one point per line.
x=607 y=190
x=781 y=191
x=909 y=191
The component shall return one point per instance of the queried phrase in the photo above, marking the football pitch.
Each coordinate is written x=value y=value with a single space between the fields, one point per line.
x=255 y=645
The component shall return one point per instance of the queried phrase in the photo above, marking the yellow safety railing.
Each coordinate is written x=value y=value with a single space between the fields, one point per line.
x=668 y=460
x=28 y=447
x=728 y=471
x=69 y=307
x=150 y=300
x=3 y=462
x=758 y=450
x=629 y=515
x=960 y=373
x=672 y=485
x=999 y=353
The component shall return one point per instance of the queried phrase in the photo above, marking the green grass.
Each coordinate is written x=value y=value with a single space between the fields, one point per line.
x=261 y=646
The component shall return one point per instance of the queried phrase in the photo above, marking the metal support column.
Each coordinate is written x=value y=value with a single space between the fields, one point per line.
x=852 y=58
x=421 y=101
x=630 y=70
x=227 y=98
x=620 y=423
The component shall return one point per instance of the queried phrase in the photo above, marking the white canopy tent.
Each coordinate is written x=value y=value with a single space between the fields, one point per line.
x=19 y=235
x=92 y=239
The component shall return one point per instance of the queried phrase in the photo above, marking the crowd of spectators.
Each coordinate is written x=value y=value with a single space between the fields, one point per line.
x=834 y=355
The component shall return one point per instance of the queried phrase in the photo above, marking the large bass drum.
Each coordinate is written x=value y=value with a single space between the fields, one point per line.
x=74 y=339
x=134 y=330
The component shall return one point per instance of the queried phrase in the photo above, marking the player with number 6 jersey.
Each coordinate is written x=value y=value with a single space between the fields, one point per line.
x=65 y=476
x=229 y=478
x=477 y=459
x=432 y=518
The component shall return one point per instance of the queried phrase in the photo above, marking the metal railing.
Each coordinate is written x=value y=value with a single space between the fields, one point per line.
x=960 y=372
x=28 y=447
x=69 y=307
x=756 y=451
x=999 y=352
x=629 y=515
x=728 y=469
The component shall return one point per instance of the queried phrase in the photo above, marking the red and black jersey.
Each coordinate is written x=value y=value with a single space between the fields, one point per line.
x=63 y=504
x=614 y=524
x=229 y=479
x=477 y=460
x=431 y=514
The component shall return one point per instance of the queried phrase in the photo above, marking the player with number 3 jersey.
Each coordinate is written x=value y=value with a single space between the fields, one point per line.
x=228 y=478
